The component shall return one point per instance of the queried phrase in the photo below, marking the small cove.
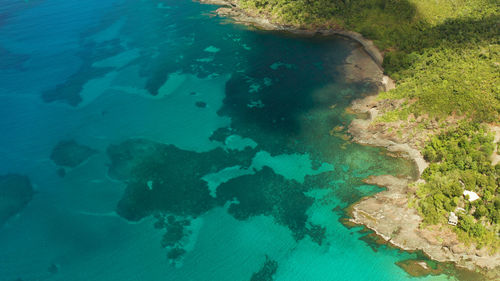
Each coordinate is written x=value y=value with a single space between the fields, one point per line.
x=213 y=150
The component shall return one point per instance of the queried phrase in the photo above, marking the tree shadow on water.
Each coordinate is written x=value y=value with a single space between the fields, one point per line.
x=282 y=84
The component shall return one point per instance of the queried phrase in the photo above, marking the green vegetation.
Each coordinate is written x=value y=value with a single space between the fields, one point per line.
x=445 y=58
x=444 y=54
x=460 y=160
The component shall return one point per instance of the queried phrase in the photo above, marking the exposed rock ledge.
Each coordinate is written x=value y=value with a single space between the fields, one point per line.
x=363 y=131
x=388 y=215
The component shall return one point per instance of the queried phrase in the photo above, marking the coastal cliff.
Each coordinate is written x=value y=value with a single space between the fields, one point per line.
x=387 y=213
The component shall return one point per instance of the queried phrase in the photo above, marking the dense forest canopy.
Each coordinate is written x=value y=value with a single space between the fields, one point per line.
x=461 y=160
x=445 y=58
x=444 y=54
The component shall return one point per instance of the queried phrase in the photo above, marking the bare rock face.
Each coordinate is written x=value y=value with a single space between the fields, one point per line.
x=217 y=2
x=388 y=215
x=458 y=249
x=15 y=193
x=387 y=212
x=364 y=131
x=360 y=67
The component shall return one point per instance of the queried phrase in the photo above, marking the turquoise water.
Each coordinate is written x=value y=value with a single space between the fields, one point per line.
x=163 y=143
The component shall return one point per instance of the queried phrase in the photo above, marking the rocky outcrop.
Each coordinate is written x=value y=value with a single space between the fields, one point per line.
x=231 y=9
x=387 y=214
x=365 y=131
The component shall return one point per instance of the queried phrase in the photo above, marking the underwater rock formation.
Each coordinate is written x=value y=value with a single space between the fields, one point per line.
x=16 y=192
x=70 y=153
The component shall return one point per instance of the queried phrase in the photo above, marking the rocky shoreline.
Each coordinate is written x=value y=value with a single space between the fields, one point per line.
x=230 y=9
x=386 y=213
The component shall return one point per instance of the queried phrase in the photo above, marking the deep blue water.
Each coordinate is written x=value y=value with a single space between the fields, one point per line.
x=163 y=143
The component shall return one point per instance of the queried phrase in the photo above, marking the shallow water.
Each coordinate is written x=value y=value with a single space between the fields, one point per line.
x=167 y=144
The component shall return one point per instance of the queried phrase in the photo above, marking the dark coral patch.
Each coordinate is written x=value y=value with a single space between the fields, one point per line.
x=175 y=231
x=175 y=254
x=165 y=178
x=167 y=181
x=221 y=134
x=53 y=268
x=15 y=193
x=201 y=104
x=70 y=154
x=266 y=193
x=266 y=273
x=173 y=238
x=10 y=60
x=317 y=233
x=61 y=172
x=69 y=91
x=175 y=189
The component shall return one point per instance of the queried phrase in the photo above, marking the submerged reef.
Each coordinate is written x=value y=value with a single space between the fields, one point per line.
x=69 y=91
x=168 y=182
x=70 y=153
x=266 y=193
x=165 y=178
x=173 y=239
x=16 y=192
x=267 y=271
